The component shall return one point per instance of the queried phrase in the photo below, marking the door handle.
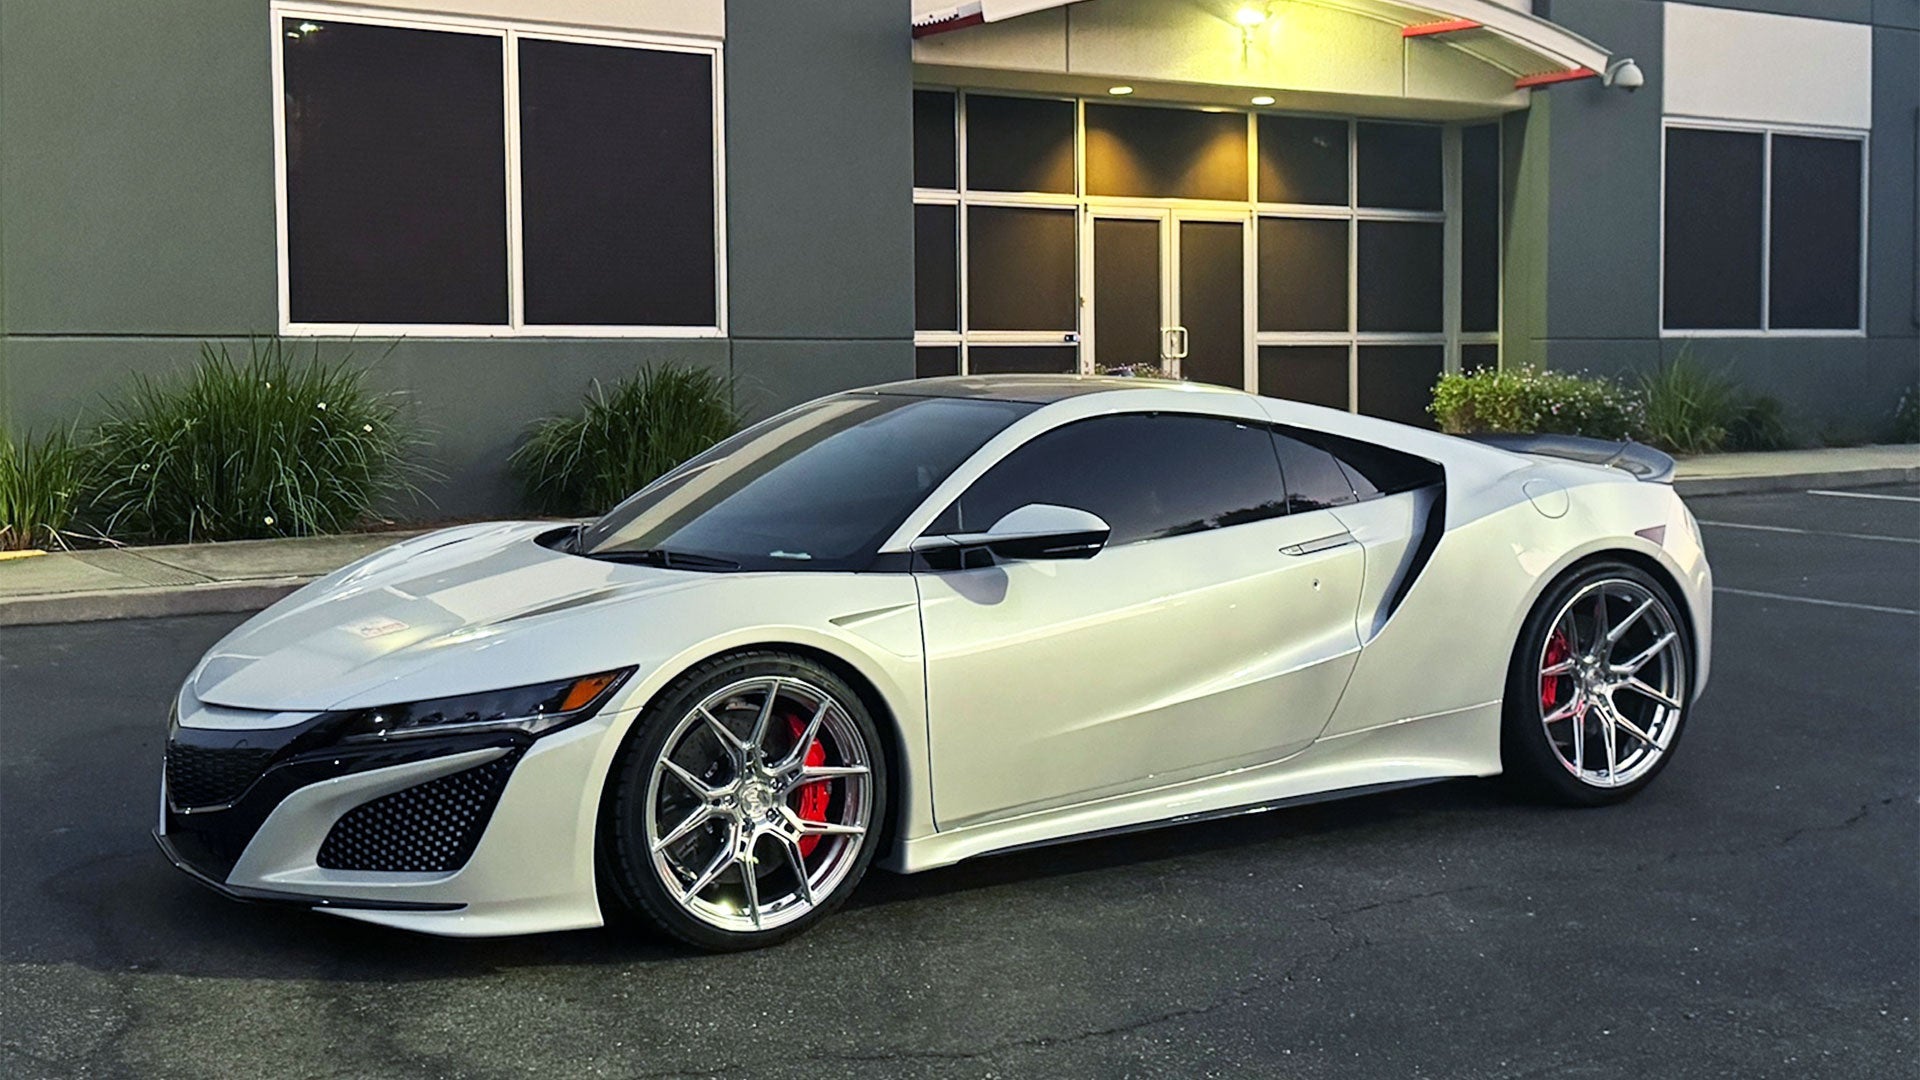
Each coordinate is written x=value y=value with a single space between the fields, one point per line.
x=1308 y=547
x=1181 y=342
x=1167 y=343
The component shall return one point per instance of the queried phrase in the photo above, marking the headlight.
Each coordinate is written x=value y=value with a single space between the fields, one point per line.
x=533 y=710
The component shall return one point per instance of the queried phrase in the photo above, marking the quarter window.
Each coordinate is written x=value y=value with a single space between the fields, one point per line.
x=402 y=203
x=1148 y=476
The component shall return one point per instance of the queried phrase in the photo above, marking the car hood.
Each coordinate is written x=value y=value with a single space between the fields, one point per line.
x=457 y=611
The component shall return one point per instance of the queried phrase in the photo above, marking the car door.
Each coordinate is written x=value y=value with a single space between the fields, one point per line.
x=1214 y=631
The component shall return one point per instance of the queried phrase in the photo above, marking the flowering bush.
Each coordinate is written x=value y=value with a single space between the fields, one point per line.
x=274 y=446
x=1531 y=400
x=1133 y=371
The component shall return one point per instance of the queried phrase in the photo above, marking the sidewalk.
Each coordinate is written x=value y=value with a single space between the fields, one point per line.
x=245 y=575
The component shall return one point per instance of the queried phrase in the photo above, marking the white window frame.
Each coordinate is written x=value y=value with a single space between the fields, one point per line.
x=510 y=31
x=1767 y=132
x=1449 y=338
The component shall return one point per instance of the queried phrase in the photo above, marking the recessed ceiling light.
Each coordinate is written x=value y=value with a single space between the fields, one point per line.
x=1119 y=91
x=1263 y=99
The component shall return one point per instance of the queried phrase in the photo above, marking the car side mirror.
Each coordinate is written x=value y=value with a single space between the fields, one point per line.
x=1034 y=531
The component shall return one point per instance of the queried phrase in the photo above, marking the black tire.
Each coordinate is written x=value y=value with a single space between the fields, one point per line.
x=1531 y=758
x=626 y=864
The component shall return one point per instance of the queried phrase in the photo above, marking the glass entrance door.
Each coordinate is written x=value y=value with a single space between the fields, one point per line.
x=1169 y=289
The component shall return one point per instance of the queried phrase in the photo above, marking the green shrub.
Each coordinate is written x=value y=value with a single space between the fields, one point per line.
x=1529 y=400
x=1760 y=423
x=1906 y=416
x=42 y=482
x=274 y=446
x=624 y=437
x=1691 y=408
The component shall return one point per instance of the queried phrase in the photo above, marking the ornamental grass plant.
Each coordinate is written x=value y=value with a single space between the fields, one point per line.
x=43 y=480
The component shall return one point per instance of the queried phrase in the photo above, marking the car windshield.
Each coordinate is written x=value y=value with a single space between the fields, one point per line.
x=817 y=488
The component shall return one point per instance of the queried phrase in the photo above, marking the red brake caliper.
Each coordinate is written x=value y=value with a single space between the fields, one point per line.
x=810 y=801
x=1558 y=649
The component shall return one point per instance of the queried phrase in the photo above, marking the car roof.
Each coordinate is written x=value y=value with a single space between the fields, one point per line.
x=1037 y=389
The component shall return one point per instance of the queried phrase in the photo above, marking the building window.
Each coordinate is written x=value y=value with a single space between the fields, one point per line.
x=1763 y=232
x=416 y=198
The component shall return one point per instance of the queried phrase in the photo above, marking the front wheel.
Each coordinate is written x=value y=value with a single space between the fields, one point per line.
x=1598 y=688
x=747 y=803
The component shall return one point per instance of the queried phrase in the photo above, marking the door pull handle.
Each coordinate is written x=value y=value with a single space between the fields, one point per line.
x=1308 y=547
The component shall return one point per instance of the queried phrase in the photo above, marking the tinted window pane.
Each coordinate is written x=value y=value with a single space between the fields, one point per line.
x=1147 y=476
x=396 y=175
x=1303 y=274
x=1315 y=374
x=1303 y=160
x=1479 y=357
x=1166 y=153
x=1396 y=381
x=936 y=267
x=1314 y=480
x=933 y=139
x=1480 y=228
x=1126 y=291
x=932 y=360
x=1400 y=276
x=1713 y=219
x=814 y=489
x=1023 y=359
x=1376 y=470
x=1213 y=301
x=1020 y=264
x=1399 y=166
x=1815 y=240
x=616 y=163
x=1019 y=144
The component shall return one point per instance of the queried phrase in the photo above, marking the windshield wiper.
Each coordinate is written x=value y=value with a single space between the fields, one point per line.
x=671 y=560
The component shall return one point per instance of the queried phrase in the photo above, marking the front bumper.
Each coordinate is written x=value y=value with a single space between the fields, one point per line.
x=526 y=866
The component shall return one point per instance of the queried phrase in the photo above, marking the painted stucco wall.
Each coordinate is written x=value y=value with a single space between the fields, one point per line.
x=136 y=222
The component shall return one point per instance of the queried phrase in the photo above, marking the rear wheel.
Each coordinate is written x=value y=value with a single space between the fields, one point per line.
x=1598 y=688
x=746 y=804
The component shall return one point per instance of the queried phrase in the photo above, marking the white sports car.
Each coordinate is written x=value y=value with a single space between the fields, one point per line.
x=927 y=621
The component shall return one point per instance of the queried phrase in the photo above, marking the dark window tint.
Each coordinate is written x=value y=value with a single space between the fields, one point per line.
x=1134 y=151
x=1399 y=166
x=1479 y=357
x=616 y=164
x=1303 y=160
x=1213 y=301
x=1375 y=470
x=817 y=488
x=936 y=267
x=1303 y=274
x=1713 y=225
x=1148 y=476
x=1401 y=271
x=1315 y=374
x=1480 y=228
x=933 y=139
x=1020 y=269
x=1019 y=144
x=1815 y=239
x=1314 y=480
x=1126 y=291
x=1396 y=381
x=1022 y=359
x=932 y=360
x=396 y=175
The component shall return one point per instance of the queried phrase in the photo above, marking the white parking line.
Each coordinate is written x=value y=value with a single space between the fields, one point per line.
x=1815 y=600
x=1812 y=532
x=1866 y=495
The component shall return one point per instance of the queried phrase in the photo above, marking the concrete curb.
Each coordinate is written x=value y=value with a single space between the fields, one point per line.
x=1754 y=485
x=103 y=604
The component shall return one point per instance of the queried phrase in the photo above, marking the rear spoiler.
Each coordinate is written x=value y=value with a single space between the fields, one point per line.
x=1638 y=460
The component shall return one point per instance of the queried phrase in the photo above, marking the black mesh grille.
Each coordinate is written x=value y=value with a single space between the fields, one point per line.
x=430 y=827
x=208 y=776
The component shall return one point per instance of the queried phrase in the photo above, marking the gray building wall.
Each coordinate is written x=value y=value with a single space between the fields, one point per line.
x=137 y=221
x=1584 y=222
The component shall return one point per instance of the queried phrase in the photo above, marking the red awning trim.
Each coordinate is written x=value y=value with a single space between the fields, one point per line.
x=1445 y=27
x=1548 y=78
x=958 y=17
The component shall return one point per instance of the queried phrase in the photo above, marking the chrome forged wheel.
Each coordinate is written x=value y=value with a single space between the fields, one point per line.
x=751 y=802
x=1600 y=686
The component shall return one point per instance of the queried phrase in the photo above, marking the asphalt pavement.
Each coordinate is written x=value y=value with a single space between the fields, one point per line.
x=1756 y=913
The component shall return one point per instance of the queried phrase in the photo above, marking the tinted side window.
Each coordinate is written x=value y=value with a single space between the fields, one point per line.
x=1314 y=479
x=1148 y=476
x=1375 y=470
